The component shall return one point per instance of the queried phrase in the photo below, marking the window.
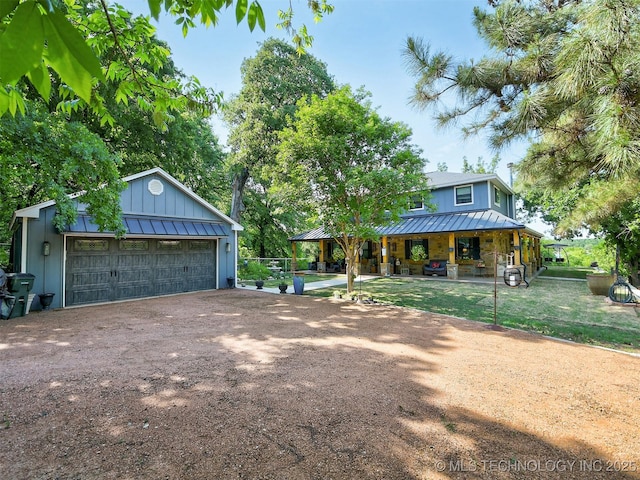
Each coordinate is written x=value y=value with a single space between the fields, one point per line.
x=468 y=248
x=464 y=195
x=416 y=203
x=409 y=244
x=496 y=195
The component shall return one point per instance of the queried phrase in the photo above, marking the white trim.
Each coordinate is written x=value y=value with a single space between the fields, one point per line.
x=235 y=261
x=414 y=209
x=496 y=189
x=455 y=195
x=23 y=253
x=64 y=271
x=141 y=235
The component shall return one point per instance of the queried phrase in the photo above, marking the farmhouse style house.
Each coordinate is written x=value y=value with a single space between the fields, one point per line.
x=473 y=224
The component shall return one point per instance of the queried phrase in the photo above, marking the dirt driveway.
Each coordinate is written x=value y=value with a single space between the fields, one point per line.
x=244 y=384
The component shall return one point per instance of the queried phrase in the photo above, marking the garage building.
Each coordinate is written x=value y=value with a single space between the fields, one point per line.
x=175 y=242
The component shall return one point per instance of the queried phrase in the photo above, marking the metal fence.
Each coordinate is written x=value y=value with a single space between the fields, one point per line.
x=277 y=266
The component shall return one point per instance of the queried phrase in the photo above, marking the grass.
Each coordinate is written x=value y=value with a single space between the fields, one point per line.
x=563 y=271
x=557 y=308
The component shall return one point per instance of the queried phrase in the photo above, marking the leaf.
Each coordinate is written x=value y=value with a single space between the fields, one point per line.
x=22 y=43
x=70 y=56
x=260 y=15
x=155 y=8
x=253 y=15
x=4 y=101
x=7 y=6
x=241 y=10
x=40 y=79
x=16 y=101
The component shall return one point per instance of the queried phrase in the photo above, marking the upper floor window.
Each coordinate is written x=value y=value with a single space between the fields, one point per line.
x=496 y=195
x=464 y=195
x=416 y=203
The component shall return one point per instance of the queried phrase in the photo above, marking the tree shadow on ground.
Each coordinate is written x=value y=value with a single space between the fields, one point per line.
x=237 y=384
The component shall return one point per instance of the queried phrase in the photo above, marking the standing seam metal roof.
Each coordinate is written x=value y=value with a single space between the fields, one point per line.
x=435 y=223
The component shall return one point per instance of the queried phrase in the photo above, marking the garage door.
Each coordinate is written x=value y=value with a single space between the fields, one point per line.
x=103 y=270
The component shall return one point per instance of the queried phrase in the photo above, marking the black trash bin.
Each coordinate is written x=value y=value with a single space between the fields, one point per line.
x=19 y=286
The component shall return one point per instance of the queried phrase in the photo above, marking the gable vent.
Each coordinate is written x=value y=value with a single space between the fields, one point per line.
x=155 y=187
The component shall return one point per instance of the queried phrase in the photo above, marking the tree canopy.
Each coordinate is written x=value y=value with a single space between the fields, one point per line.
x=562 y=75
x=68 y=36
x=355 y=170
x=48 y=152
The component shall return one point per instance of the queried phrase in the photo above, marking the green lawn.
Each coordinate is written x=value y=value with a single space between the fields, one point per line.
x=558 y=308
x=563 y=271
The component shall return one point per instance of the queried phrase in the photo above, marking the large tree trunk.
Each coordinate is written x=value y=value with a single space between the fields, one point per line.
x=237 y=205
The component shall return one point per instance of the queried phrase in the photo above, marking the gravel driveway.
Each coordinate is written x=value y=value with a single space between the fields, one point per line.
x=242 y=384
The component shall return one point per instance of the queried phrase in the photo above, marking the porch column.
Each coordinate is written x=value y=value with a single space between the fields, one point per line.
x=294 y=262
x=385 y=268
x=452 y=266
x=322 y=262
x=516 y=248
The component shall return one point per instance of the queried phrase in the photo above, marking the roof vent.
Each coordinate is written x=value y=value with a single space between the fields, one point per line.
x=155 y=187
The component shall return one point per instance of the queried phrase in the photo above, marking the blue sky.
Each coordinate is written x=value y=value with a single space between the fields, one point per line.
x=361 y=43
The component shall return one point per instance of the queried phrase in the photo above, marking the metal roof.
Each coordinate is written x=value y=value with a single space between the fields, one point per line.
x=480 y=220
x=154 y=226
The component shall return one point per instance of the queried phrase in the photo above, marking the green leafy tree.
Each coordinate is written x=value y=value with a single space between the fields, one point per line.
x=67 y=36
x=272 y=83
x=356 y=170
x=45 y=157
x=563 y=75
x=481 y=166
x=186 y=147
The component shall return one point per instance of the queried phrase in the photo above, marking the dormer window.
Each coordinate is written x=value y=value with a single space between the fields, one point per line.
x=464 y=195
x=496 y=196
x=416 y=203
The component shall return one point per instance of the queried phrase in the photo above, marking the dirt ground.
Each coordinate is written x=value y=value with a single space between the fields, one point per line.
x=245 y=384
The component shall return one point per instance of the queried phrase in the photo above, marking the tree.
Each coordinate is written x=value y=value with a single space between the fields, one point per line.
x=62 y=36
x=45 y=157
x=563 y=74
x=355 y=170
x=272 y=83
x=481 y=166
x=186 y=148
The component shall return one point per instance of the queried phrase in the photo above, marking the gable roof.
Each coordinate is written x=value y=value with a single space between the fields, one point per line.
x=479 y=220
x=451 y=179
x=34 y=210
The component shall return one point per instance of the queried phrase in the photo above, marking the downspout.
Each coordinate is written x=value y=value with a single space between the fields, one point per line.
x=23 y=253
x=235 y=259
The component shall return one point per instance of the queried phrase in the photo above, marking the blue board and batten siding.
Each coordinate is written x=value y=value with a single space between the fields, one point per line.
x=175 y=242
x=482 y=195
x=137 y=199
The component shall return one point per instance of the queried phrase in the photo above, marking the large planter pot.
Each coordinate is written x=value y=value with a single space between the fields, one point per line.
x=298 y=284
x=599 y=283
x=45 y=300
x=259 y=284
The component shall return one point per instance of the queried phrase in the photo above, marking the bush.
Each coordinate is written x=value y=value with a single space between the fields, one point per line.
x=254 y=271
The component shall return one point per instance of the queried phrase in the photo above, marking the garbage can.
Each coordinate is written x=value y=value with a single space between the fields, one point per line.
x=19 y=286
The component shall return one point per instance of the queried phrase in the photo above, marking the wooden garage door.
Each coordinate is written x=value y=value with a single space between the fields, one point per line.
x=103 y=270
